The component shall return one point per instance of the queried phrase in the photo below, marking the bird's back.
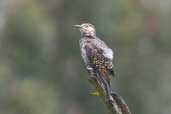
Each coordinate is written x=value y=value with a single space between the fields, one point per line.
x=97 y=54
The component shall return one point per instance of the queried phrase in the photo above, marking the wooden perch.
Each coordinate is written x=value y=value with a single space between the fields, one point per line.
x=117 y=105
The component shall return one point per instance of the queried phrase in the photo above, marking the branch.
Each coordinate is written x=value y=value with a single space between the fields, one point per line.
x=117 y=105
x=121 y=103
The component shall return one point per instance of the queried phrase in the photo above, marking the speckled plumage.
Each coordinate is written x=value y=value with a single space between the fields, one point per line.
x=96 y=54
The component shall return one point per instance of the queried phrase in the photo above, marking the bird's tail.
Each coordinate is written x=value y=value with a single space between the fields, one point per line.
x=107 y=86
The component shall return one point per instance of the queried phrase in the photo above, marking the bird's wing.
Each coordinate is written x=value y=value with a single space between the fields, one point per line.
x=107 y=52
x=100 y=58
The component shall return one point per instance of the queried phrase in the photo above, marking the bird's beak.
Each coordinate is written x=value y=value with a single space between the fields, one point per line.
x=78 y=26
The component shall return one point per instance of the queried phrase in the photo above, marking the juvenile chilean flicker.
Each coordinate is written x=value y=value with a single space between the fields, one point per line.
x=97 y=56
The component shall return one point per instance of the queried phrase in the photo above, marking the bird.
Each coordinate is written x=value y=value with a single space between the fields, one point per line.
x=97 y=56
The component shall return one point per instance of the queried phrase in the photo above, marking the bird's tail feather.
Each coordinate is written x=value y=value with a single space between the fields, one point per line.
x=106 y=84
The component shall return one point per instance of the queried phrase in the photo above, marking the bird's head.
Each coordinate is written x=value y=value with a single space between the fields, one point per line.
x=87 y=30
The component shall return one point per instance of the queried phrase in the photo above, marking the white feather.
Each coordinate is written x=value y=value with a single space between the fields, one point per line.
x=107 y=52
x=84 y=55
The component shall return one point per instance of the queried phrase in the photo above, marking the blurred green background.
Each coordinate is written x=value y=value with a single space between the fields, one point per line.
x=41 y=70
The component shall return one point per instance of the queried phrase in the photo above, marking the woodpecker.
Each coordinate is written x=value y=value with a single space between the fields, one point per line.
x=96 y=55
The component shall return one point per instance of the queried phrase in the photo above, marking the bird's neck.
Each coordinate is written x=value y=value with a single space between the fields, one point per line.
x=89 y=36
